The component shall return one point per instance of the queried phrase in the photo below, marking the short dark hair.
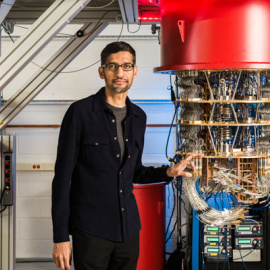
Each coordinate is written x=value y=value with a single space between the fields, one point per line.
x=115 y=47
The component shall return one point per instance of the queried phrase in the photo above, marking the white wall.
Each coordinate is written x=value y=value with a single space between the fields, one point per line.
x=38 y=145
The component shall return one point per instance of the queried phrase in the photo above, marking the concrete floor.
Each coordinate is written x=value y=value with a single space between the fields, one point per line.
x=36 y=266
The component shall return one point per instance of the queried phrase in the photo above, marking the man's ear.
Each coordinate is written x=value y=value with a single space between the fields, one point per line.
x=135 y=72
x=101 y=72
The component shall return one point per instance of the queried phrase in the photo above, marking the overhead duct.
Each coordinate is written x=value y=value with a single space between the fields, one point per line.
x=5 y=7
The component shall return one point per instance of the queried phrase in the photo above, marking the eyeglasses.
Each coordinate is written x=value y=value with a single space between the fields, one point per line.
x=114 y=67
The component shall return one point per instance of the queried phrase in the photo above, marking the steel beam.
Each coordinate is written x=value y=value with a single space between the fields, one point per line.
x=129 y=10
x=49 y=71
x=59 y=14
x=5 y=7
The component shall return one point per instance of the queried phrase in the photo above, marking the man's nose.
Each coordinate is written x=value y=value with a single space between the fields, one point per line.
x=120 y=71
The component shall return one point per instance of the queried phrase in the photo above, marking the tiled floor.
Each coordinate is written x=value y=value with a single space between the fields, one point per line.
x=36 y=266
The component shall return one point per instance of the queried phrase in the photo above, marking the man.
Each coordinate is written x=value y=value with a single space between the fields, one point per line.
x=98 y=160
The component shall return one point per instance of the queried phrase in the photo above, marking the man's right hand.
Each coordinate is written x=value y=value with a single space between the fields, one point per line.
x=62 y=255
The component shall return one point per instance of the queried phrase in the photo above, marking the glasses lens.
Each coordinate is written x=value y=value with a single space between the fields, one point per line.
x=112 y=66
x=127 y=67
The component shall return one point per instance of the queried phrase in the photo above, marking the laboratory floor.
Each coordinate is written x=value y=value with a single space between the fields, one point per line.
x=36 y=266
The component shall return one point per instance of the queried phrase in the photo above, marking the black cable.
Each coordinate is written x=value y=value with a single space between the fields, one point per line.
x=174 y=226
x=179 y=193
x=10 y=37
x=185 y=207
x=132 y=32
x=3 y=209
x=7 y=33
x=2 y=195
x=97 y=24
x=168 y=138
x=246 y=254
x=242 y=259
x=168 y=226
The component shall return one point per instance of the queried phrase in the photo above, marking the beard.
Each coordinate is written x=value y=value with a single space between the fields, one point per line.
x=117 y=89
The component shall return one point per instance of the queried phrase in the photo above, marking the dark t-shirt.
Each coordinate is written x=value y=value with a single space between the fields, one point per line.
x=120 y=114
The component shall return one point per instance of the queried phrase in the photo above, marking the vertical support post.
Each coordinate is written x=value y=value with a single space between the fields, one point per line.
x=8 y=202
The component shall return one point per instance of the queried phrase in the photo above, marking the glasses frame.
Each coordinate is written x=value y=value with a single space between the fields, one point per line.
x=117 y=66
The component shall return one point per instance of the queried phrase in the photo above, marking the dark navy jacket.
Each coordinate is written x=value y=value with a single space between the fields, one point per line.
x=91 y=189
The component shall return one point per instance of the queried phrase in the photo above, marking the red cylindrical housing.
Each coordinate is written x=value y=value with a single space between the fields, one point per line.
x=151 y=203
x=214 y=34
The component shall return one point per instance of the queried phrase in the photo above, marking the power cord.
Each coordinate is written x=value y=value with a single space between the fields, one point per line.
x=171 y=160
x=170 y=220
x=2 y=195
x=133 y=32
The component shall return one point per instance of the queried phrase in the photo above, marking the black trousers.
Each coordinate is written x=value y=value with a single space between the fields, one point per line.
x=94 y=253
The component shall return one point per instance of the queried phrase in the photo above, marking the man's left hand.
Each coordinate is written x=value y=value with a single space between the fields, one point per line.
x=178 y=169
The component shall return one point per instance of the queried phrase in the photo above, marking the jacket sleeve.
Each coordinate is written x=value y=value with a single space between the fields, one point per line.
x=145 y=175
x=67 y=154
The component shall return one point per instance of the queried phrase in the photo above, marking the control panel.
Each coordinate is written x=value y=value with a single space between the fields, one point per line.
x=249 y=228
x=8 y=179
x=210 y=230
x=249 y=242
x=220 y=253
x=231 y=242
x=217 y=240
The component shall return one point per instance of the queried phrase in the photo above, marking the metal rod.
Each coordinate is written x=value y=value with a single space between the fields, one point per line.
x=235 y=136
x=209 y=86
x=236 y=84
x=257 y=112
x=255 y=140
x=210 y=132
x=235 y=116
x=259 y=85
x=212 y=112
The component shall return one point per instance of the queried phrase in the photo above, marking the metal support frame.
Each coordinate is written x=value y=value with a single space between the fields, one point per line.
x=129 y=10
x=51 y=69
x=59 y=14
x=8 y=216
x=5 y=8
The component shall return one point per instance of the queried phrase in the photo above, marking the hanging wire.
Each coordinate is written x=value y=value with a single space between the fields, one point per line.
x=101 y=6
x=172 y=160
x=77 y=70
x=133 y=32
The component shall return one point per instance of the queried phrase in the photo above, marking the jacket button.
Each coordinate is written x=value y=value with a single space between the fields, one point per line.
x=113 y=120
x=115 y=138
x=118 y=155
x=128 y=156
x=123 y=209
x=96 y=143
x=121 y=191
x=127 y=140
x=120 y=172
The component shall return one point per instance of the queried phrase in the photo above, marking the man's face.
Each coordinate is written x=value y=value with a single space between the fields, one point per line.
x=118 y=81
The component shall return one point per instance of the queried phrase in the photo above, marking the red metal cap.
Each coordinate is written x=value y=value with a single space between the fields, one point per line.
x=214 y=34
